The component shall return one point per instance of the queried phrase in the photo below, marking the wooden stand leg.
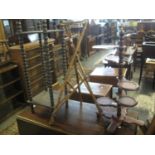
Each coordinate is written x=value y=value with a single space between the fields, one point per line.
x=114 y=124
x=132 y=120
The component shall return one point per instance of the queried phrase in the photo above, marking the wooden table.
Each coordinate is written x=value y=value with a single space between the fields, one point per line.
x=99 y=90
x=106 y=75
x=75 y=120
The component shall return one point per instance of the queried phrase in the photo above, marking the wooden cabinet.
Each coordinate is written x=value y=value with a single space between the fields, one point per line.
x=11 y=92
x=35 y=67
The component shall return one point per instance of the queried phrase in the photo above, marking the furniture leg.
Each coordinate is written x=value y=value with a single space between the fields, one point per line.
x=141 y=71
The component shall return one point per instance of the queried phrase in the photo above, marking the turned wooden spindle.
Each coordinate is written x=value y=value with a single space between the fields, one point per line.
x=44 y=73
x=25 y=65
x=48 y=68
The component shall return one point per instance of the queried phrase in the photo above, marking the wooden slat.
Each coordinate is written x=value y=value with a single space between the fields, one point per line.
x=11 y=97
x=9 y=83
x=8 y=67
x=29 y=46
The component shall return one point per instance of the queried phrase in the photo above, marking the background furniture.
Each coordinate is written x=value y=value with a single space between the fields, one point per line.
x=106 y=75
x=112 y=60
x=33 y=52
x=148 y=52
x=11 y=92
x=116 y=110
x=98 y=89
x=150 y=68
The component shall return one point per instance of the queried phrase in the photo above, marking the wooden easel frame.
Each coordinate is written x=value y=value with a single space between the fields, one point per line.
x=80 y=77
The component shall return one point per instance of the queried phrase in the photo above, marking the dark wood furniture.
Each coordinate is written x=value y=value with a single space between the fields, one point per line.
x=106 y=75
x=11 y=92
x=150 y=68
x=148 y=52
x=33 y=52
x=91 y=40
x=112 y=60
x=94 y=37
x=116 y=109
x=75 y=120
x=98 y=90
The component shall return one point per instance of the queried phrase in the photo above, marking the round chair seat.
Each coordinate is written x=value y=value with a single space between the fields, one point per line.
x=127 y=101
x=128 y=85
x=106 y=101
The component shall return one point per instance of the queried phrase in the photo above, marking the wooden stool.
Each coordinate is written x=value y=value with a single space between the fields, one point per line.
x=110 y=111
x=99 y=90
x=106 y=75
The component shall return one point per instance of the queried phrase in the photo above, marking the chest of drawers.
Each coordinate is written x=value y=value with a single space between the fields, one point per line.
x=35 y=67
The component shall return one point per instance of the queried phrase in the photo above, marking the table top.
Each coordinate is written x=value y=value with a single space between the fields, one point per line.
x=115 y=59
x=107 y=47
x=107 y=71
x=97 y=88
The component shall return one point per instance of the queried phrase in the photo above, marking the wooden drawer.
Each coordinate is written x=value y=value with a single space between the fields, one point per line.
x=33 y=52
x=33 y=62
x=105 y=80
x=35 y=73
x=37 y=87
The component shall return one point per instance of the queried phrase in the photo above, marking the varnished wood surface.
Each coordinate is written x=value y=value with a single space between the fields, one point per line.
x=33 y=52
x=29 y=46
x=74 y=120
x=106 y=75
x=150 y=65
x=106 y=71
x=98 y=89
x=7 y=67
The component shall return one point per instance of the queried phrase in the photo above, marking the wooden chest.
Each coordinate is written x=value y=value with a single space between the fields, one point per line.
x=106 y=75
